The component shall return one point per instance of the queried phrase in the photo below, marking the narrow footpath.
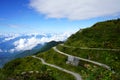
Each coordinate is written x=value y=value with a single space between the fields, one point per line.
x=91 y=48
x=76 y=75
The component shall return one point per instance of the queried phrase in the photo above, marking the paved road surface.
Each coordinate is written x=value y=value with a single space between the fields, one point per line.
x=76 y=75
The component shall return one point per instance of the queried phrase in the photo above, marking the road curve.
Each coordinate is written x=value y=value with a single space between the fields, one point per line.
x=76 y=75
x=87 y=60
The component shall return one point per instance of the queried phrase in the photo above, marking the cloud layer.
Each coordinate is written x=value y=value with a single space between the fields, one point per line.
x=29 y=43
x=10 y=37
x=76 y=9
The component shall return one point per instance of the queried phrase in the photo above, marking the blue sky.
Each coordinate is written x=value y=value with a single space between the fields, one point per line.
x=28 y=16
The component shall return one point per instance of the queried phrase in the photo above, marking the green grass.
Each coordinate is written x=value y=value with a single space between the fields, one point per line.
x=89 y=72
x=2 y=75
x=102 y=34
x=111 y=58
x=16 y=67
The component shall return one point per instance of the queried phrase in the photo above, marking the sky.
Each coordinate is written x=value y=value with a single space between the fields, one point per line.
x=53 y=16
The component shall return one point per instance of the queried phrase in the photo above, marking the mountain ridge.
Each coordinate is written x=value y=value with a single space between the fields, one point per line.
x=102 y=34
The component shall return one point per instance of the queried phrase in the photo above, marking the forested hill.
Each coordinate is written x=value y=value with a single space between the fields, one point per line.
x=103 y=35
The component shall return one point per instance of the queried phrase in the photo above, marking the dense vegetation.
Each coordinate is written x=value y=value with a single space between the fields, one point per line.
x=31 y=69
x=88 y=71
x=111 y=58
x=103 y=34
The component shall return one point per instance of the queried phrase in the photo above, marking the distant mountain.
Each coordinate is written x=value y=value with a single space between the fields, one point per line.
x=4 y=59
x=7 y=44
x=38 y=49
x=49 y=45
x=29 y=52
x=20 y=45
x=8 y=41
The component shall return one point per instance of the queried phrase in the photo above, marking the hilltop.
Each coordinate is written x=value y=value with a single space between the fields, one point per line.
x=102 y=35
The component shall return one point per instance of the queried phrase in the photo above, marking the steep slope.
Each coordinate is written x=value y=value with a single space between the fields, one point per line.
x=49 y=45
x=100 y=43
x=102 y=35
x=30 y=68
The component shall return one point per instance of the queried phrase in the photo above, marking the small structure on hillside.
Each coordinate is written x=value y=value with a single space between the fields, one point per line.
x=72 y=60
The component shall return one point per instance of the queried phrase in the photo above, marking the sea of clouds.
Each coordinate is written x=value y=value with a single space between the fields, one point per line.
x=22 y=42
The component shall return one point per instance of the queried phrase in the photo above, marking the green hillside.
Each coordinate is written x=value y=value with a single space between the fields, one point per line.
x=34 y=69
x=89 y=72
x=100 y=43
x=110 y=58
x=49 y=45
x=102 y=35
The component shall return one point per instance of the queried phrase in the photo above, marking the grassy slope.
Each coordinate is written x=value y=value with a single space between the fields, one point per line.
x=89 y=72
x=111 y=58
x=102 y=34
x=16 y=67
x=106 y=57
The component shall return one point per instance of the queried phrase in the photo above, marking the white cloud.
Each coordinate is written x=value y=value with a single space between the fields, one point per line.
x=11 y=50
x=10 y=37
x=6 y=37
x=76 y=9
x=27 y=44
